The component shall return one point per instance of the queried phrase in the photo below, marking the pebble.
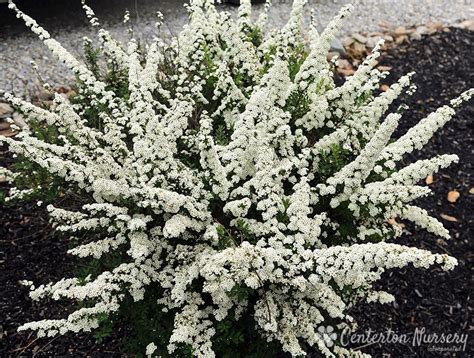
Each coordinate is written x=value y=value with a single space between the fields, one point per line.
x=5 y=109
x=359 y=38
x=337 y=46
x=372 y=41
x=17 y=51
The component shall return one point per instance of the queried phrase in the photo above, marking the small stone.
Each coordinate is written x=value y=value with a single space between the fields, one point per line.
x=359 y=38
x=429 y=180
x=434 y=27
x=437 y=25
x=359 y=49
x=401 y=39
x=341 y=63
x=348 y=41
x=415 y=36
x=453 y=196
x=468 y=25
x=388 y=38
x=5 y=108
x=4 y=125
x=8 y=133
x=45 y=95
x=401 y=30
x=372 y=41
x=19 y=120
x=332 y=55
x=421 y=30
x=471 y=191
x=337 y=46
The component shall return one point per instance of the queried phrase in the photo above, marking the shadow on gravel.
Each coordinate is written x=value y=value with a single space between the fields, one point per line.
x=61 y=15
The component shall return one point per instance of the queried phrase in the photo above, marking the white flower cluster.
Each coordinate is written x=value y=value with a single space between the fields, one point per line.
x=233 y=163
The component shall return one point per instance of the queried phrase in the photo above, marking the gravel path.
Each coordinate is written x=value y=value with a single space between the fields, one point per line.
x=68 y=24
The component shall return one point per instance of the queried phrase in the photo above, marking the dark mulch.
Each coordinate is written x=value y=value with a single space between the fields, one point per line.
x=438 y=301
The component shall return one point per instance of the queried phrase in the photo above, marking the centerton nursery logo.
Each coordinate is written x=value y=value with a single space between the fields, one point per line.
x=328 y=335
x=435 y=342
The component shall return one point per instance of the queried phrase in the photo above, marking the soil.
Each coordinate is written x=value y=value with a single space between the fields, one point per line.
x=440 y=302
x=431 y=299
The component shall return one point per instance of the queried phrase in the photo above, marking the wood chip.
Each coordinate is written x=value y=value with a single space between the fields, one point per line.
x=384 y=68
x=453 y=196
x=429 y=180
x=449 y=218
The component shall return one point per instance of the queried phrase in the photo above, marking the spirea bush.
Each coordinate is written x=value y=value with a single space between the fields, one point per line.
x=233 y=199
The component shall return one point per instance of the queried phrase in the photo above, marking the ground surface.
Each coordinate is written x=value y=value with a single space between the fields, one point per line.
x=438 y=301
x=67 y=23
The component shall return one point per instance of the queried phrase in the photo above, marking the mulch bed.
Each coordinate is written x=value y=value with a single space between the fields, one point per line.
x=435 y=300
x=432 y=299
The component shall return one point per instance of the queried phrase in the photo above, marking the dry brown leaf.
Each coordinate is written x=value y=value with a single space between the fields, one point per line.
x=393 y=222
x=429 y=180
x=4 y=125
x=449 y=218
x=453 y=196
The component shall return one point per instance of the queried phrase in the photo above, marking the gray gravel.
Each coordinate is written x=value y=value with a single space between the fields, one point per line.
x=18 y=49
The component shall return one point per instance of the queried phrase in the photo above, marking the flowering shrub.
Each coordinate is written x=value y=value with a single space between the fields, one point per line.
x=234 y=197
